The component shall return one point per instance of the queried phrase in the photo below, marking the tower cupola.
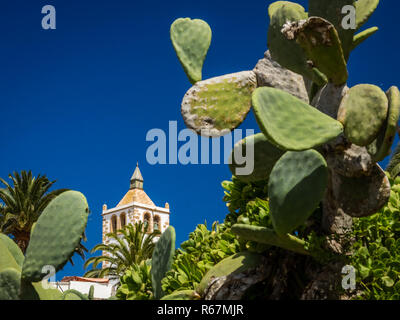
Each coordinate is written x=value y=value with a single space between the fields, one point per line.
x=137 y=179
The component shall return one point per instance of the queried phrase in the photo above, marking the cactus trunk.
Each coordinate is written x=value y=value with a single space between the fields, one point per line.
x=22 y=239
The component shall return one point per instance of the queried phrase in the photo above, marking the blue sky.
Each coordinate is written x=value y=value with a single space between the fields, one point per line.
x=76 y=102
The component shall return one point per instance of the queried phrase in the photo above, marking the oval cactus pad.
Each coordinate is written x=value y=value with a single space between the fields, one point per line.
x=10 y=284
x=161 y=260
x=320 y=40
x=290 y=123
x=287 y=53
x=331 y=11
x=380 y=148
x=296 y=186
x=216 y=106
x=57 y=233
x=363 y=112
x=12 y=248
x=264 y=156
x=364 y=8
x=191 y=40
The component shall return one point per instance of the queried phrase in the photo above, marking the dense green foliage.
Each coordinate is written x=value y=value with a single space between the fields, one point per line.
x=24 y=200
x=129 y=245
x=203 y=250
x=135 y=284
x=377 y=250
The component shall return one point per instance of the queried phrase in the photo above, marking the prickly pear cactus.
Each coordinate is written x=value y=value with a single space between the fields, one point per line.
x=72 y=294
x=162 y=259
x=296 y=186
x=287 y=53
x=13 y=249
x=320 y=41
x=264 y=159
x=364 y=10
x=380 y=148
x=363 y=112
x=53 y=242
x=216 y=106
x=191 y=40
x=91 y=293
x=284 y=120
x=317 y=150
x=7 y=259
x=56 y=235
x=9 y=284
x=332 y=11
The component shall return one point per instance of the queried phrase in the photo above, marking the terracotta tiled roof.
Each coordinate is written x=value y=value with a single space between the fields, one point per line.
x=82 y=279
x=136 y=195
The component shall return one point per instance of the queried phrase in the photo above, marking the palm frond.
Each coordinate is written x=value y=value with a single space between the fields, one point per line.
x=128 y=246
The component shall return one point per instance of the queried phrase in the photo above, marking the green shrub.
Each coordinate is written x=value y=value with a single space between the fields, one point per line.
x=136 y=283
x=377 y=250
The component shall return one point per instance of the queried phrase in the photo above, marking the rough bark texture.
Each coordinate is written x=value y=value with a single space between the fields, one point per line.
x=325 y=283
x=234 y=286
x=270 y=74
x=22 y=239
x=328 y=99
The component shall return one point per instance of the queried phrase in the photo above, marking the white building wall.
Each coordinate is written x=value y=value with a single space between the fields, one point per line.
x=101 y=291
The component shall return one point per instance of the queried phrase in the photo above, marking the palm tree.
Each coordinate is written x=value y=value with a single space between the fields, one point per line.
x=129 y=246
x=23 y=204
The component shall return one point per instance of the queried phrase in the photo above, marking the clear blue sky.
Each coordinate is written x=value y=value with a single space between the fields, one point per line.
x=76 y=102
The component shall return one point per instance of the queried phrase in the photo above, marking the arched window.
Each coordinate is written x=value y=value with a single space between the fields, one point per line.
x=156 y=223
x=122 y=219
x=113 y=224
x=146 y=221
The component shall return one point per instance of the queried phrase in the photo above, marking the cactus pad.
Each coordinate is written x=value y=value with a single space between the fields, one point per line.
x=234 y=264
x=6 y=258
x=393 y=166
x=73 y=294
x=265 y=157
x=287 y=52
x=296 y=186
x=290 y=123
x=364 y=9
x=320 y=40
x=216 y=106
x=162 y=259
x=332 y=11
x=191 y=40
x=362 y=36
x=381 y=147
x=35 y=291
x=13 y=249
x=56 y=235
x=91 y=293
x=363 y=112
x=10 y=284
x=267 y=236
